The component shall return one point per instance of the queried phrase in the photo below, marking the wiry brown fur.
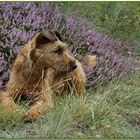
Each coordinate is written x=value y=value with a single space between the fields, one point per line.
x=72 y=83
x=42 y=67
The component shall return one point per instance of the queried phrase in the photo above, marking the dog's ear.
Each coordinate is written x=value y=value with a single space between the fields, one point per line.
x=45 y=38
x=58 y=35
x=42 y=39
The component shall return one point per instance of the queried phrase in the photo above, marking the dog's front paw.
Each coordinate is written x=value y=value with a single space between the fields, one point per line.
x=38 y=109
x=33 y=113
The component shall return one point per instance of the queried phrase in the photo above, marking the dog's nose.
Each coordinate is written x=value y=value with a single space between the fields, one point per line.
x=72 y=66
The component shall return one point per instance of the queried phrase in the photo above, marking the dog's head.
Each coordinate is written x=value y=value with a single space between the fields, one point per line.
x=49 y=50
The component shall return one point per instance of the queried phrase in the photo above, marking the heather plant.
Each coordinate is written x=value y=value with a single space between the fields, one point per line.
x=120 y=19
x=87 y=41
x=20 y=21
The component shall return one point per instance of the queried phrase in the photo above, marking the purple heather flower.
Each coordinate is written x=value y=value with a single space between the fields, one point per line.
x=21 y=21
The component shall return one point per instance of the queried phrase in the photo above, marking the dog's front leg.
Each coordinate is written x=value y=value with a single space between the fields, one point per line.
x=43 y=104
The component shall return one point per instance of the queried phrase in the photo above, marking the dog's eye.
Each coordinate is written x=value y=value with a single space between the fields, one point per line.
x=58 y=51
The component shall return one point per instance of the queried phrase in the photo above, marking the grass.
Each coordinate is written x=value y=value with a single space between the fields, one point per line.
x=111 y=112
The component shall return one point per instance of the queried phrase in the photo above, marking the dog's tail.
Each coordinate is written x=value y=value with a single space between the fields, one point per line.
x=90 y=61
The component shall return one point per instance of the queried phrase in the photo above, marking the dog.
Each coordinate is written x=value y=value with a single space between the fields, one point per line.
x=42 y=67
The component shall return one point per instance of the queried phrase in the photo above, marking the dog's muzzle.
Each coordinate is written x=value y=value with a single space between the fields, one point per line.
x=70 y=67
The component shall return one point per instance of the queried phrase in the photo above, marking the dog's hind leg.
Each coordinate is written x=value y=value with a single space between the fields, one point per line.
x=7 y=97
x=7 y=101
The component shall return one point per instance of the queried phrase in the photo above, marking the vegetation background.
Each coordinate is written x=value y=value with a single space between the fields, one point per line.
x=113 y=110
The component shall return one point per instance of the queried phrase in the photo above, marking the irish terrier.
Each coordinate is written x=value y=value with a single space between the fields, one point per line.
x=42 y=67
